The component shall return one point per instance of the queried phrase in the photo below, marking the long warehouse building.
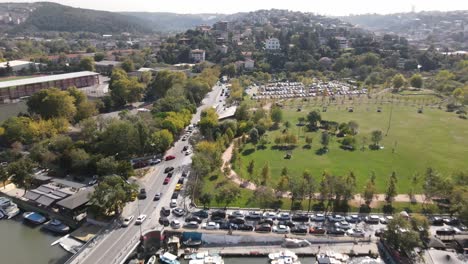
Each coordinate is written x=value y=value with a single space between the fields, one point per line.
x=10 y=90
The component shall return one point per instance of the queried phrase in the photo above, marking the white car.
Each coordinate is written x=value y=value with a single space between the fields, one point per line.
x=281 y=229
x=140 y=219
x=173 y=203
x=355 y=232
x=236 y=214
x=188 y=152
x=271 y=215
x=175 y=224
x=127 y=220
x=210 y=226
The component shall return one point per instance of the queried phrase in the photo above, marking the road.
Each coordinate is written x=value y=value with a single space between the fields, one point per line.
x=113 y=246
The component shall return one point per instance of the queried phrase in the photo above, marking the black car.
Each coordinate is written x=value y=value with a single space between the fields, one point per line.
x=291 y=224
x=263 y=228
x=217 y=219
x=336 y=232
x=164 y=221
x=185 y=174
x=193 y=218
x=446 y=231
x=225 y=225
x=169 y=175
x=219 y=213
x=202 y=214
x=180 y=181
x=165 y=211
x=254 y=216
x=436 y=221
x=246 y=227
x=300 y=218
x=185 y=148
x=238 y=221
x=157 y=197
x=142 y=194
x=168 y=169
x=299 y=229
x=266 y=221
x=175 y=195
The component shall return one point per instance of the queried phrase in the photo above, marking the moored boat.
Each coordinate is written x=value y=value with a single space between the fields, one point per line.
x=284 y=257
x=168 y=258
x=34 y=218
x=8 y=208
x=205 y=258
x=151 y=260
x=56 y=226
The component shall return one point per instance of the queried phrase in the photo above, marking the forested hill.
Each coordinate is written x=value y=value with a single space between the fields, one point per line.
x=54 y=17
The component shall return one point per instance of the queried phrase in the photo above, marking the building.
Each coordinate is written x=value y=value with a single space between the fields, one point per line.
x=10 y=90
x=249 y=64
x=272 y=44
x=106 y=66
x=342 y=42
x=221 y=26
x=197 y=55
x=18 y=65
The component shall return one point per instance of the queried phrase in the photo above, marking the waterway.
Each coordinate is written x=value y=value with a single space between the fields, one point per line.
x=22 y=244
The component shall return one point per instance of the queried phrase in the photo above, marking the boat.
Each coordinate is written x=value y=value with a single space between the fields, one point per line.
x=151 y=260
x=204 y=258
x=331 y=257
x=34 y=218
x=168 y=258
x=55 y=226
x=8 y=208
x=284 y=257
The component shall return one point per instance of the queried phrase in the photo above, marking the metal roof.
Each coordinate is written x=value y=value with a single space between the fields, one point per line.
x=48 y=78
x=77 y=200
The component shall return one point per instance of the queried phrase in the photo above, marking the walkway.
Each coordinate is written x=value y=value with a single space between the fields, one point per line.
x=226 y=157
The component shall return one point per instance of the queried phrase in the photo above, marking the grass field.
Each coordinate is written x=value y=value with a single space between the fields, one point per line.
x=432 y=139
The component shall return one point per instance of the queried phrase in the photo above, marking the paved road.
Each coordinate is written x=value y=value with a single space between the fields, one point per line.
x=113 y=246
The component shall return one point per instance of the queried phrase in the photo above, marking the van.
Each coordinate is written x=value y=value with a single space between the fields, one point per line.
x=173 y=203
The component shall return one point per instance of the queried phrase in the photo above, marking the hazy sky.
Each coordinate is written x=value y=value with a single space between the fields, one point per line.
x=326 y=7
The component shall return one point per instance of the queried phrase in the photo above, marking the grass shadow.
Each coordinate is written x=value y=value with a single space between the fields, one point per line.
x=213 y=177
x=321 y=151
x=306 y=147
x=248 y=151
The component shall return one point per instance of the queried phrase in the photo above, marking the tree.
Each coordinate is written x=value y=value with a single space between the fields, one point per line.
x=4 y=176
x=308 y=141
x=161 y=140
x=398 y=81
x=21 y=172
x=353 y=127
x=99 y=56
x=251 y=168
x=325 y=140
x=400 y=236
x=208 y=123
x=128 y=65
x=253 y=136
x=276 y=115
x=52 y=103
x=309 y=186
x=296 y=189
x=120 y=137
x=87 y=64
x=205 y=199
x=112 y=193
x=313 y=118
x=265 y=174
x=416 y=81
x=228 y=194
x=370 y=190
x=458 y=94
x=264 y=196
x=391 y=191
x=376 y=137
x=433 y=184
x=79 y=160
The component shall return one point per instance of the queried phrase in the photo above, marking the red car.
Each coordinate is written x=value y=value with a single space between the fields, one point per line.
x=170 y=157
x=167 y=180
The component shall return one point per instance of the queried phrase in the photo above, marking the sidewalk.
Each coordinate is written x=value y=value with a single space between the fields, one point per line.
x=226 y=157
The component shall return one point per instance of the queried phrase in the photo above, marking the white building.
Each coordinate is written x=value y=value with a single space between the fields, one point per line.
x=272 y=44
x=18 y=65
x=342 y=42
x=249 y=64
x=197 y=55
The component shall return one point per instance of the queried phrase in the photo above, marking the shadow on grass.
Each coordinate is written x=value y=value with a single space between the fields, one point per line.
x=248 y=151
x=306 y=147
x=213 y=177
x=283 y=148
x=321 y=151
x=261 y=147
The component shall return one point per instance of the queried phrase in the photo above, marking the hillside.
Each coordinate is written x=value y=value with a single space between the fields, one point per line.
x=40 y=17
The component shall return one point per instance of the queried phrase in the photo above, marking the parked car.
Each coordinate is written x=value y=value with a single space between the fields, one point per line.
x=343 y=225
x=191 y=225
x=178 y=187
x=185 y=148
x=336 y=218
x=225 y=225
x=140 y=219
x=127 y=220
x=210 y=226
x=164 y=221
x=178 y=211
x=336 y=231
x=284 y=216
x=318 y=218
x=219 y=213
x=453 y=221
x=446 y=231
x=300 y=217
x=245 y=227
x=237 y=220
x=170 y=157
x=254 y=216
x=157 y=197
x=165 y=211
x=180 y=181
x=355 y=232
x=379 y=232
x=167 y=180
x=175 y=195
x=436 y=221
x=271 y=215
x=372 y=219
x=185 y=173
x=154 y=161
x=267 y=221
x=263 y=228
x=170 y=174
x=188 y=152
x=175 y=224
x=281 y=229
x=173 y=203
x=317 y=230
x=168 y=169
x=142 y=194
x=236 y=214
x=201 y=214
x=289 y=223
x=299 y=229
x=385 y=219
x=193 y=218
x=353 y=218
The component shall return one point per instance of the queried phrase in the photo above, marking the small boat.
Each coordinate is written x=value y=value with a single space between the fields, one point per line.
x=331 y=257
x=151 y=260
x=284 y=257
x=55 y=226
x=34 y=218
x=8 y=208
x=168 y=258
x=205 y=258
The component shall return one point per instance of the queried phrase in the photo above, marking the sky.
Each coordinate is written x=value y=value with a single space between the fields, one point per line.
x=324 y=7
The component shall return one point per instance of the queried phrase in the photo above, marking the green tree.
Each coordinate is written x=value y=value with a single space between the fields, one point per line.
x=205 y=199
x=391 y=191
x=353 y=127
x=458 y=94
x=276 y=115
x=264 y=196
x=370 y=190
x=111 y=195
x=120 y=137
x=398 y=81
x=21 y=172
x=228 y=194
x=308 y=140
x=313 y=118
x=4 y=176
x=208 y=123
x=251 y=168
x=376 y=137
x=128 y=65
x=99 y=56
x=52 y=103
x=79 y=160
x=254 y=136
x=87 y=64
x=161 y=140
x=309 y=187
x=265 y=174
x=416 y=81
x=325 y=140
x=401 y=237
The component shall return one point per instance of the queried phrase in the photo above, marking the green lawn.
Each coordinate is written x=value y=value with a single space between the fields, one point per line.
x=433 y=139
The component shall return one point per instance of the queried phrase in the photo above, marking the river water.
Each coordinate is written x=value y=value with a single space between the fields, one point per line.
x=22 y=244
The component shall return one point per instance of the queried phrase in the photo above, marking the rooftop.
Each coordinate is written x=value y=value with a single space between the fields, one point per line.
x=14 y=63
x=76 y=200
x=108 y=62
x=49 y=78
